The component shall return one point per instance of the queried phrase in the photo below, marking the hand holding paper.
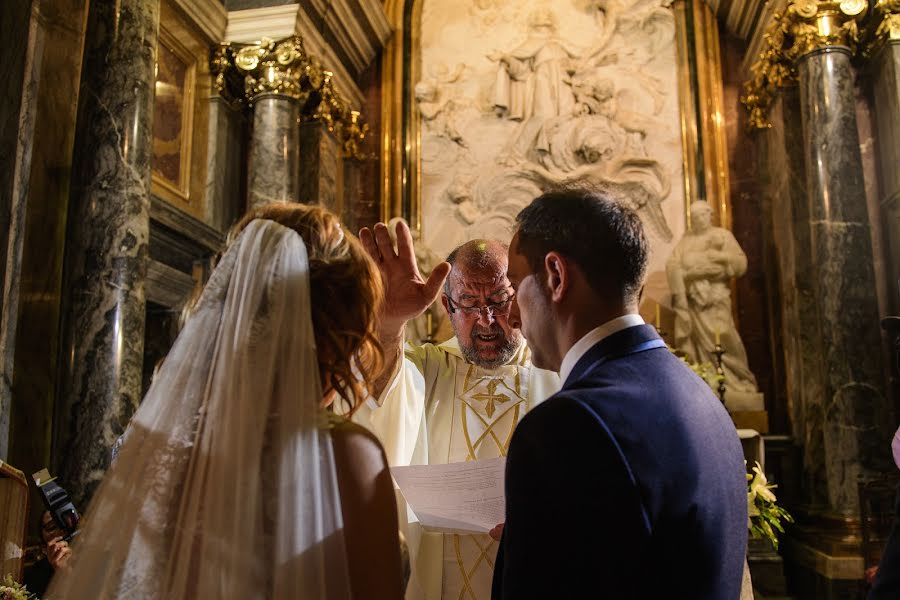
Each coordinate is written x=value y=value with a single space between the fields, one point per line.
x=463 y=497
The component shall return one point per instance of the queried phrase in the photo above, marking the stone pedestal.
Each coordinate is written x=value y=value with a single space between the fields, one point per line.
x=108 y=233
x=274 y=144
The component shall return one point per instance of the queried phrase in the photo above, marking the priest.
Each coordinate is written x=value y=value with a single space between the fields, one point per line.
x=452 y=402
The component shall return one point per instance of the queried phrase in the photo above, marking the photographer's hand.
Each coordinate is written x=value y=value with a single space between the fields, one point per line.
x=58 y=553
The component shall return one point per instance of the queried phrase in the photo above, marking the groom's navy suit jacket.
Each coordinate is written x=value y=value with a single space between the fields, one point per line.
x=628 y=483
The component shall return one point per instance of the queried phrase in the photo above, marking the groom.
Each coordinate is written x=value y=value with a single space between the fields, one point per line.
x=629 y=482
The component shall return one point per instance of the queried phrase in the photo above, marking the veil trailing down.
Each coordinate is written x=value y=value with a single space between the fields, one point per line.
x=225 y=486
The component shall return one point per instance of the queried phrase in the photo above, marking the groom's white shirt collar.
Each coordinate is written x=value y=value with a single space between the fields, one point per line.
x=592 y=337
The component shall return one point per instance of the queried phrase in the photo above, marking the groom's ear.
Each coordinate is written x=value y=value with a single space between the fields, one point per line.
x=557 y=273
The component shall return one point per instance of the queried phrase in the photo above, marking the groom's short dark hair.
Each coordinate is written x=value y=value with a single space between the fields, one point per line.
x=600 y=234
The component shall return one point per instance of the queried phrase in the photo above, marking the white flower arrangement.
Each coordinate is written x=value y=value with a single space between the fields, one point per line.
x=764 y=516
x=10 y=590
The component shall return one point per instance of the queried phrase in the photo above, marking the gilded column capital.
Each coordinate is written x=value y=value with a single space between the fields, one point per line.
x=818 y=24
x=804 y=27
x=226 y=80
x=244 y=72
x=335 y=113
x=885 y=27
x=771 y=71
x=274 y=67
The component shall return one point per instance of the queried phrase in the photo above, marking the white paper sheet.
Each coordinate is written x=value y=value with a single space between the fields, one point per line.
x=464 y=497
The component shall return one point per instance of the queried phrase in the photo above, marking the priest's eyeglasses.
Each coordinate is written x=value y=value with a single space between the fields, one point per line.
x=498 y=309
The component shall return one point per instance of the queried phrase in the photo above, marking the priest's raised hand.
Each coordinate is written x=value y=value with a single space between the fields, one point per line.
x=407 y=293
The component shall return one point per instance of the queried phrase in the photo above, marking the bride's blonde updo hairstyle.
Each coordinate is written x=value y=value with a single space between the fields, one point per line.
x=346 y=293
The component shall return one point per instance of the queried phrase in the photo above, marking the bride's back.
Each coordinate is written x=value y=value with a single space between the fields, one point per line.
x=346 y=294
x=369 y=511
x=234 y=479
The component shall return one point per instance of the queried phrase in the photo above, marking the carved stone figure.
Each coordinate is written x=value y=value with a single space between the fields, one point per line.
x=532 y=78
x=436 y=108
x=699 y=272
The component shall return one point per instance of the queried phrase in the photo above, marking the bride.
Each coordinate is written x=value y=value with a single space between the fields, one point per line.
x=235 y=479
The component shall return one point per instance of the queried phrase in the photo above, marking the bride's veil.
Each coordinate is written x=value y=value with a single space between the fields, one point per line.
x=225 y=486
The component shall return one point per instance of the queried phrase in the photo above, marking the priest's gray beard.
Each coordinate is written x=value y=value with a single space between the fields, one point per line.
x=504 y=353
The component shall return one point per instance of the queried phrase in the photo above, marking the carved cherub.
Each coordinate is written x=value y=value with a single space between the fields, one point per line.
x=436 y=108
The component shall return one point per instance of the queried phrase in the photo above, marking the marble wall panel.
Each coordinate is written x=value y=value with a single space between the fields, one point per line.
x=884 y=86
x=226 y=156
x=793 y=309
x=518 y=96
x=52 y=91
x=16 y=124
x=885 y=78
x=321 y=167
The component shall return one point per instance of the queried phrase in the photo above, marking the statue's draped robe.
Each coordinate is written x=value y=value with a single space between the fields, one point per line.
x=707 y=285
x=532 y=86
x=441 y=409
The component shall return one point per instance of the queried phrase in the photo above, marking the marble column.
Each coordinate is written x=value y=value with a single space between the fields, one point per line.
x=273 y=168
x=108 y=231
x=852 y=410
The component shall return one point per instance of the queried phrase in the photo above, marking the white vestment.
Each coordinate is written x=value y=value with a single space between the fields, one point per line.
x=440 y=409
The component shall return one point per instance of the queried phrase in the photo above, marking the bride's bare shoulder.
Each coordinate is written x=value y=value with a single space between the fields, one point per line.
x=356 y=448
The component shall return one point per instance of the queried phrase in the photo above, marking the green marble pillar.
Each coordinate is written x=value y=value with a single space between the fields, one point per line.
x=852 y=408
x=108 y=235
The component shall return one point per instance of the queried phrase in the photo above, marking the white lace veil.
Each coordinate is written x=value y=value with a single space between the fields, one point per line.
x=225 y=486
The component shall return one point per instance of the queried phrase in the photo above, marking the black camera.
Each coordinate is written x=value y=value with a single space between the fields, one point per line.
x=58 y=503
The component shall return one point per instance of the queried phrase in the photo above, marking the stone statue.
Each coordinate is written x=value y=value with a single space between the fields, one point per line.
x=424 y=327
x=699 y=272
x=532 y=85
x=532 y=79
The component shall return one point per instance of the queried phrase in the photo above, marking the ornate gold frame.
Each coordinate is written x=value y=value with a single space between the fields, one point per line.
x=700 y=86
x=705 y=152
x=180 y=193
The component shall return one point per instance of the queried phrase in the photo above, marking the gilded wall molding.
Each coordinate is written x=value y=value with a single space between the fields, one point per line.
x=245 y=72
x=704 y=149
x=886 y=27
x=804 y=27
x=771 y=71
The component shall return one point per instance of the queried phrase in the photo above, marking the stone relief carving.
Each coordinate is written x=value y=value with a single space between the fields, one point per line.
x=541 y=108
x=436 y=107
x=700 y=270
